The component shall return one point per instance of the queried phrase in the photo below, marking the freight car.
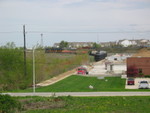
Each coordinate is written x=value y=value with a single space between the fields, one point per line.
x=53 y=50
x=60 y=50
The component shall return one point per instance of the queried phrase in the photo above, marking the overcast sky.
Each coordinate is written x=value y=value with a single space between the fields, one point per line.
x=73 y=20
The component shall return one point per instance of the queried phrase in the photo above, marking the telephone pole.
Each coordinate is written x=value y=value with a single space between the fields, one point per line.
x=33 y=55
x=24 y=35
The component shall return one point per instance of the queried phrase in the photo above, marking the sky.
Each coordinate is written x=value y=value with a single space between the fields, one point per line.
x=73 y=21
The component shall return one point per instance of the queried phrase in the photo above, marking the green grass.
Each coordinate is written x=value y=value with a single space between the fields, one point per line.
x=77 y=83
x=49 y=65
x=12 y=69
x=88 y=104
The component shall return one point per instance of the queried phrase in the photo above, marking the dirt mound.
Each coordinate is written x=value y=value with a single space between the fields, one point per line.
x=143 y=53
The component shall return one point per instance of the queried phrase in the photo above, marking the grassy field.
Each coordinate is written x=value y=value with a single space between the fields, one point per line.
x=47 y=65
x=77 y=83
x=85 y=104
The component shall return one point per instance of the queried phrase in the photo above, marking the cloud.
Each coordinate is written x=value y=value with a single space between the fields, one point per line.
x=70 y=1
x=62 y=12
x=76 y=16
x=136 y=0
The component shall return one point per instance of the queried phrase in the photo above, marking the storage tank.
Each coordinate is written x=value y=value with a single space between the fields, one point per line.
x=100 y=55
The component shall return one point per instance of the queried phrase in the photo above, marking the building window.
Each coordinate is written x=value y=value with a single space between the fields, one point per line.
x=140 y=70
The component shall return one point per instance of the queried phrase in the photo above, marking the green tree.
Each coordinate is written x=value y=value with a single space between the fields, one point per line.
x=63 y=44
x=96 y=46
x=9 y=45
x=12 y=68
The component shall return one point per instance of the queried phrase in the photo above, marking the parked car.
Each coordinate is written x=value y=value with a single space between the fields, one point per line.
x=130 y=81
x=144 y=85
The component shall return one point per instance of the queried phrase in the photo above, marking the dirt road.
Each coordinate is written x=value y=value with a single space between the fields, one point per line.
x=97 y=68
x=57 y=78
x=64 y=75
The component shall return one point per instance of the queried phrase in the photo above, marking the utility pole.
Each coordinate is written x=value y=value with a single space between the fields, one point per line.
x=24 y=35
x=33 y=55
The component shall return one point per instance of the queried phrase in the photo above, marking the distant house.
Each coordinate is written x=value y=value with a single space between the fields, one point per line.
x=139 y=43
x=56 y=45
x=126 y=43
x=140 y=64
x=76 y=44
x=107 y=44
x=143 y=43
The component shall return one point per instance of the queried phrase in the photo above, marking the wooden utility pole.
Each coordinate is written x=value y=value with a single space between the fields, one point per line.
x=24 y=35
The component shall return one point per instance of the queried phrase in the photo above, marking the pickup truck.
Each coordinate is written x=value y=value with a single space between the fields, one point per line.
x=82 y=70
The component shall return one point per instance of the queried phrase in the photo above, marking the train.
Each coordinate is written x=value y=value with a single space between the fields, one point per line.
x=60 y=50
x=53 y=50
x=98 y=55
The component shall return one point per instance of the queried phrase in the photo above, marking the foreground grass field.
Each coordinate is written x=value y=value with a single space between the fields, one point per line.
x=77 y=83
x=85 y=104
x=81 y=84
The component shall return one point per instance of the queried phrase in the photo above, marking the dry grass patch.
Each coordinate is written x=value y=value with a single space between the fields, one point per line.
x=53 y=103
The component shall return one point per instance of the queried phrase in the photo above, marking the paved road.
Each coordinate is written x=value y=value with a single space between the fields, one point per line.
x=82 y=94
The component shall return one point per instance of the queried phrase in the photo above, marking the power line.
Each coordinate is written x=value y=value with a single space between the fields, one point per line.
x=90 y=32
x=72 y=32
x=10 y=32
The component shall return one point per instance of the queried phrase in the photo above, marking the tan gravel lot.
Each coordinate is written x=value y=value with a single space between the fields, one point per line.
x=137 y=80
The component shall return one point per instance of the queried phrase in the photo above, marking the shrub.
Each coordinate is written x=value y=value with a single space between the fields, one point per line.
x=9 y=104
x=147 y=76
x=12 y=70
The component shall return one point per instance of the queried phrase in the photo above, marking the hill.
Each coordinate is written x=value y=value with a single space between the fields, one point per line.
x=47 y=65
x=145 y=52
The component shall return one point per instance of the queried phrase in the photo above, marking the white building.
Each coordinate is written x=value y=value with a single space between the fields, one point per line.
x=126 y=43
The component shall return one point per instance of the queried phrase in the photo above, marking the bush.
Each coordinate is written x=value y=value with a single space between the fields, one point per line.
x=9 y=105
x=12 y=70
x=147 y=76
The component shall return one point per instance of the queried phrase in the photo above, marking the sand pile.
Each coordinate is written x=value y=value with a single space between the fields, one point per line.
x=143 y=53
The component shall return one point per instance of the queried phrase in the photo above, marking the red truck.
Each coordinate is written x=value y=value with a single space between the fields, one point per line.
x=82 y=70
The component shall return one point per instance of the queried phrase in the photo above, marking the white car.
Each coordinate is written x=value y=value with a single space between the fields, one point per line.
x=143 y=85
